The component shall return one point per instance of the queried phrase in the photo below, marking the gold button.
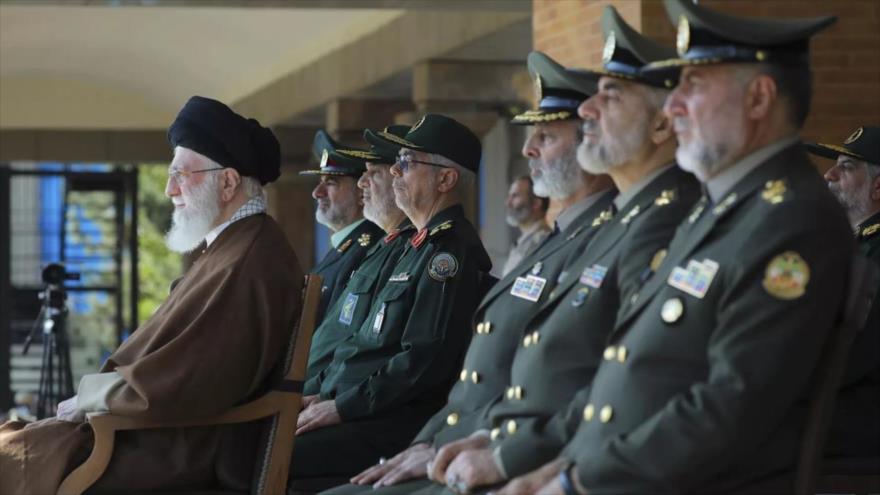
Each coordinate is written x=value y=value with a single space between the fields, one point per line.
x=480 y=327
x=509 y=393
x=609 y=353
x=463 y=375
x=452 y=419
x=475 y=377
x=517 y=392
x=511 y=427
x=487 y=327
x=496 y=432
x=622 y=353
x=527 y=341
x=605 y=414
x=588 y=412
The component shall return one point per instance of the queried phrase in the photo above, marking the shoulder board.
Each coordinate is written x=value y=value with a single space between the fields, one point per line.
x=774 y=191
x=345 y=245
x=440 y=228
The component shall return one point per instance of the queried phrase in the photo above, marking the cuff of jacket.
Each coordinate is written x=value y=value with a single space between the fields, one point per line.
x=95 y=388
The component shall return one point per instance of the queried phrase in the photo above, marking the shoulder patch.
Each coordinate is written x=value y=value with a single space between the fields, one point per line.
x=442 y=267
x=440 y=228
x=342 y=247
x=774 y=191
x=871 y=230
x=364 y=239
x=665 y=197
x=786 y=276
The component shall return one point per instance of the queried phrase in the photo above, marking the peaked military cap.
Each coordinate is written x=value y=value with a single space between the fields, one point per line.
x=863 y=144
x=337 y=159
x=709 y=37
x=626 y=52
x=559 y=91
x=211 y=128
x=435 y=133
x=387 y=152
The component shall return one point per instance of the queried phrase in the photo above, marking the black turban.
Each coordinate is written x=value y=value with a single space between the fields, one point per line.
x=211 y=128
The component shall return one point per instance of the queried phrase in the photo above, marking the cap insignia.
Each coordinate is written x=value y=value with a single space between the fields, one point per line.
x=418 y=124
x=539 y=90
x=325 y=156
x=786 y=276
x=774 y=191
x=364 y=239
x=608 y=51
x=683 y=40
x=854 y=136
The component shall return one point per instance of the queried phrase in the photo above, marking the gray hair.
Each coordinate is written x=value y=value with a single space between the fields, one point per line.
x=467 y=179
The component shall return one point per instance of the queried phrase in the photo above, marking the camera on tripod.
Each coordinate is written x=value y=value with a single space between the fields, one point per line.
x=56 y=377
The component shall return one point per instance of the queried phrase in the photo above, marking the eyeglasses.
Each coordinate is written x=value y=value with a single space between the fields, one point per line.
x=406 y=161
x=176 y=175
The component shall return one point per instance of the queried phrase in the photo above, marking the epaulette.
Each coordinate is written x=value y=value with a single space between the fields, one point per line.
x=665 y=197
x=342 y=247
x=870 y=230
x=440 y=228
x=365 y=239
x=774 y=192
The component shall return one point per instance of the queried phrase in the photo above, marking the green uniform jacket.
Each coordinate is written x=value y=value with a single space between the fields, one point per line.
x=563 y=346
x=338 y=263
x=352 y=307
x=855 y=428
x=708 y=395
x=409 y=347
x=498 y=323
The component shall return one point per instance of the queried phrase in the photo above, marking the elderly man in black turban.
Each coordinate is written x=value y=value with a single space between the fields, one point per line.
x=209 y=346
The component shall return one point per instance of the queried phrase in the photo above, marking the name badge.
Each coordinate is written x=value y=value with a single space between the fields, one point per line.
x=380 y=317
x=399 y=277
x=528 y=287
x=593 y=276
x=347 y=313
x=695 y=279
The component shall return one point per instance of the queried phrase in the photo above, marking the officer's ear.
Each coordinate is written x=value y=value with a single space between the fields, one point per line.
x=875 y=184
x=661 y=128
x=229 y=183
x=448 y=178
x=761 y=95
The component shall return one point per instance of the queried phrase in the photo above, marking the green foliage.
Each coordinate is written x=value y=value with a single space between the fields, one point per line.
x=157 y=265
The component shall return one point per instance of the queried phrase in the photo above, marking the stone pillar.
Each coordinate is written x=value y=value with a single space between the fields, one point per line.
x=481 y=95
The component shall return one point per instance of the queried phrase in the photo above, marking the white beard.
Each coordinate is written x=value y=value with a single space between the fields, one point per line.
x=560 y=179
x=190 y=225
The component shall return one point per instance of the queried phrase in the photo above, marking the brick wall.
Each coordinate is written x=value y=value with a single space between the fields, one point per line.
x=845 y=57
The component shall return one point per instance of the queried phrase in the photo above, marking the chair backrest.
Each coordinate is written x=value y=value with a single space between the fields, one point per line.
x=273 y=466
x=864 y=277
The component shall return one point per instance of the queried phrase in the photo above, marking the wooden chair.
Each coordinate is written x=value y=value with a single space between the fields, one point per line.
x=282 y=404
x=864 y=278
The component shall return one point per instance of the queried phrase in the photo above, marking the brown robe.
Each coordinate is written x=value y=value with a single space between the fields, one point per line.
x=211 y=345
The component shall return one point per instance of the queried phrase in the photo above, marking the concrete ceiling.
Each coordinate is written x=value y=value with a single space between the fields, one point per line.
x=89 y=64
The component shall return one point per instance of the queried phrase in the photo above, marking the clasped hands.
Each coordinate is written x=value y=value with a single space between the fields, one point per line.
x=316 y=413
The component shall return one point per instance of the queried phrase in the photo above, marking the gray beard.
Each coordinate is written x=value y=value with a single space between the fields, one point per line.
x=190 y=225
x=561 y=179
x=857 y=206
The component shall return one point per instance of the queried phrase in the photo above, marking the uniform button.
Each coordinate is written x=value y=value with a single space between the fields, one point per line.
x=622 y=353
x=634 y=298
x=588 y=412
x=527 y=341
x=609 y=353
x=509 y=393
x=480 y=327
x=487 y=327
x=452 y=419
x=496 y=432
x=475 y=377
x=535 y=337
x=606 y=413
x=511 y=427
x=463 y=375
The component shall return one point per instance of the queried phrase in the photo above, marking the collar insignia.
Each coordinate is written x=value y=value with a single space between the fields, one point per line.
x=364 y=239
x=774 y=191
x=342 y=247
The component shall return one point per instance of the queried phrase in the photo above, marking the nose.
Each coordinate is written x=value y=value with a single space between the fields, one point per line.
x=588 y=110
x=395 y=170
x=832 y=174
x=320 y=191
x=509 y=202
x=674 y=106
x=529 y=149
x=171 y=188
x=364 y=181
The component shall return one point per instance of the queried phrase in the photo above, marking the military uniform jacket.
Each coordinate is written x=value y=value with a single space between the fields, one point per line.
x=855 y=428
x=721 y=341
x=498 y=325
x=410 y=345
x=337 y=265
x=351 y=308
x=559 y=352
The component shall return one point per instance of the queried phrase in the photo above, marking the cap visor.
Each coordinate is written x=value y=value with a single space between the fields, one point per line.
x=831 y=151
x=541 y=116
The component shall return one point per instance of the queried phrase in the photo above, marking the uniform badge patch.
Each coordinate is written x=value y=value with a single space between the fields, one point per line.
x=529 y=287
x=593 y=276
x=442 y=267
x=695 y=279
x=380 y=317
x=786 y=276
x=347 y=313
x=580 y=296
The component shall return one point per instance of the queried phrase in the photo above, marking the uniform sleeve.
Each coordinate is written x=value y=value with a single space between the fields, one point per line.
x=434 y=336
x=761 y=356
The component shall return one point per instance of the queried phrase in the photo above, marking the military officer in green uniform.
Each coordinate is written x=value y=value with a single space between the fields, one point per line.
x=855 y=181
x=723 y=339
x=627 y=135
x=340 y=209
x=394 y=371
x=498 y=323
x=350 y=309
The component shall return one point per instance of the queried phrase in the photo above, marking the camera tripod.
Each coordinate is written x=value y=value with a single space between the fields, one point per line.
x=56 y=377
